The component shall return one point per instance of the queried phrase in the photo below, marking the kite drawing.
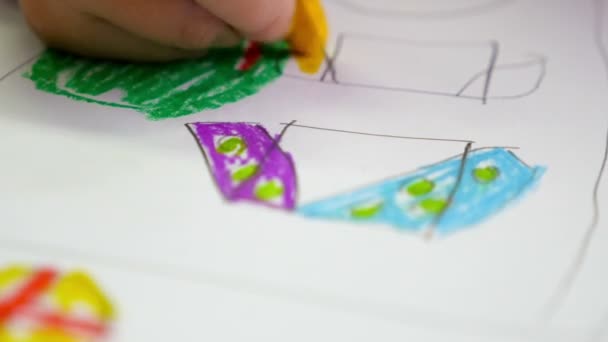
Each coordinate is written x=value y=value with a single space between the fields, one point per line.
x=248 y=164
x=450 y=195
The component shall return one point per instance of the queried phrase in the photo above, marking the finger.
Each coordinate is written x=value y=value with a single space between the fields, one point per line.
x=261 y=20
x=67 y=29
x=179 y=23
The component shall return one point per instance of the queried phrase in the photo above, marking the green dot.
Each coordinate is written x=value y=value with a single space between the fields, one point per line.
x=367 y=211
x=244 y=173
x=269 y=191
x=486 y=175
x=433 y=205
x=421 y=187
x=232 y=145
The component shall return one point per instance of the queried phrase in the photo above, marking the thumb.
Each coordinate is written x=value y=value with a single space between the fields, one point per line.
x=261 y=20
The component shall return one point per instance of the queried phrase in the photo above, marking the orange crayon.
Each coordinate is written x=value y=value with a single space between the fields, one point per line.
x=308 y=35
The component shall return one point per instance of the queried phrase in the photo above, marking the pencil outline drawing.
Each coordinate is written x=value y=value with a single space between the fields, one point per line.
x=564 y=288
x=330 y=74
x=370 y=11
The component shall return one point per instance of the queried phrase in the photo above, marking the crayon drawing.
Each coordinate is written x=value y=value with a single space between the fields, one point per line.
x=462 y=191
x=43 y=305
x=450 y=195
x=247 y=163
x=163 y=90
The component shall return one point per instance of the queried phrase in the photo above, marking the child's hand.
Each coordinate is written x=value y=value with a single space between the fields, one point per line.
x=153 y=30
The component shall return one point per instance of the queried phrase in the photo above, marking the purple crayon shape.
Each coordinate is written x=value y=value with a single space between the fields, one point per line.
x=247 y=164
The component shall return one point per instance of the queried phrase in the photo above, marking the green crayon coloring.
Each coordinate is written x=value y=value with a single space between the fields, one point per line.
x=160 y=90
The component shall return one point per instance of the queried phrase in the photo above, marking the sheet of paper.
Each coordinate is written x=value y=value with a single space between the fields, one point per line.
x=441 y=177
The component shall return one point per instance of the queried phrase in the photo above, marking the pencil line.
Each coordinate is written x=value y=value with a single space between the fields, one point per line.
x=463 y=161
x=564 y=288
x=516 y=157
x=330 y=66
x=441 y=14
x=377 y=135
x=539 y=82
x=407 y=90
x=488 y=72
x=416 y=170
x=283 y=131
x=18 y=67
x=205 y=157
x=541 y=61
x=569 y=279
x=425 y=43
x=493 y=59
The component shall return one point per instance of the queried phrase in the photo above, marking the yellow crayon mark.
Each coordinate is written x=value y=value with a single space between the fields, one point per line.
x=43 y=335
x=5 y=335
x=77 y=288
x=308 y=35
x=13 y=274
x=51 y=335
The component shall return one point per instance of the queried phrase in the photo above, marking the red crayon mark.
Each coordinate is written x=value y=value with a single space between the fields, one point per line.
x=253 y=53
x=21 y=304
x=62 y=322
x=31 y=290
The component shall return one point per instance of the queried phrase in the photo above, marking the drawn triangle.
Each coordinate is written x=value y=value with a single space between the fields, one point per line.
x=492 y=178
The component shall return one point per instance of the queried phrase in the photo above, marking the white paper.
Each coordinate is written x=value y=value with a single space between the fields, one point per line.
x=132 y=200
